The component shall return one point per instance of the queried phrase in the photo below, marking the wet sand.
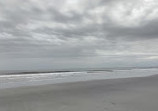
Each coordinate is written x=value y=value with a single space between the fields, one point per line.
x=132 y=94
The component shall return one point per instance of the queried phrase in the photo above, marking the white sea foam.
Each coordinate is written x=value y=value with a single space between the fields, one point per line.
x=10 y=81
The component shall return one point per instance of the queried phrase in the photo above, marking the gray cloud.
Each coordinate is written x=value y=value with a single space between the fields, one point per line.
x=79 y=29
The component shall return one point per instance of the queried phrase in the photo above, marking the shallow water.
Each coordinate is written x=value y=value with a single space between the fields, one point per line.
x=10 y=81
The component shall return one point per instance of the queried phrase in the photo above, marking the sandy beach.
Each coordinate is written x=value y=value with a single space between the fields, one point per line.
x=131 y=94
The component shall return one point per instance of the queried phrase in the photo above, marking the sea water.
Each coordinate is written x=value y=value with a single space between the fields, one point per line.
x=19 y=80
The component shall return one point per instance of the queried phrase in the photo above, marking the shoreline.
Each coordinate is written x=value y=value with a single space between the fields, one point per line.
x=74 y=82
x=12 y=81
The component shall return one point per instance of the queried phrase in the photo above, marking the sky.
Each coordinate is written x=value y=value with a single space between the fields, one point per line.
x=60 y=34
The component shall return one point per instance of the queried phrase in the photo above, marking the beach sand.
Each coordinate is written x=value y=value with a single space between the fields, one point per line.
x=131 y=94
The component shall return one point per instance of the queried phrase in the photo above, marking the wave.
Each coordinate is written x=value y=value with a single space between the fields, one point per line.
x=18 y=80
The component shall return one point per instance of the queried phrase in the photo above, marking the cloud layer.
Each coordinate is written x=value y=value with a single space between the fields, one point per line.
x=82 y=29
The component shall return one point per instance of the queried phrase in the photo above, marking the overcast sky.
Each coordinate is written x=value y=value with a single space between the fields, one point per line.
x=54 y=34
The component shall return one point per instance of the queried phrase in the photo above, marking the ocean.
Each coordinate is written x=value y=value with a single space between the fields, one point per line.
x=20 y=80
